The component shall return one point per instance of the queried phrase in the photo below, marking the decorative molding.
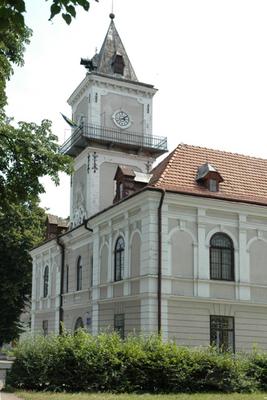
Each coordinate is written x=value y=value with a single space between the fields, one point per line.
x=148 y=166
x=88 y=162
x=95 y=157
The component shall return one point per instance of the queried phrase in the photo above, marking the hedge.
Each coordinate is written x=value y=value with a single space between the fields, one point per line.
x=83 y=362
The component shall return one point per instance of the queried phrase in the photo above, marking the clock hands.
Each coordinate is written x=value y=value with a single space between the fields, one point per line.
x=121 y=119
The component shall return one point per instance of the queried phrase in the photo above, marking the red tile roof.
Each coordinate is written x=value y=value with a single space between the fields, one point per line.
x=245 y=178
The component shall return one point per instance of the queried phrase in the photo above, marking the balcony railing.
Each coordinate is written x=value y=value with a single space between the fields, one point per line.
x=93 y=134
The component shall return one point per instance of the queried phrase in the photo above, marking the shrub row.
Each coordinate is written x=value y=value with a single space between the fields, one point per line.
x=82 y=362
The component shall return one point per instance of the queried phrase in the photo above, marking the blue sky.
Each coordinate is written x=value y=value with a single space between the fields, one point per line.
x=208 y=59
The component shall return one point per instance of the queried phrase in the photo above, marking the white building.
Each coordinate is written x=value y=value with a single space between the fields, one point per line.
x=180 y=249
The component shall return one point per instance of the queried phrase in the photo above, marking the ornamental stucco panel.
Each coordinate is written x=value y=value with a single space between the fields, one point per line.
x=104 y=253
x=113 y=102
x=258 y=262
x=79 y=196
x=182 y=254
x=81 y=113
x=135 y=255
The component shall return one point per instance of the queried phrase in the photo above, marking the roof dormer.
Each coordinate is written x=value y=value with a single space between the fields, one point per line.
x=129 y=181
x=208 y=176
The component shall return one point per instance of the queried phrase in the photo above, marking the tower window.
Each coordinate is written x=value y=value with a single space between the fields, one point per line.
x=96 y=97
x=118 y=64
x=147 y=109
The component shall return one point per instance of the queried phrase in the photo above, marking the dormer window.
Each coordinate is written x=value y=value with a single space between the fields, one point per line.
x=120 y=191
x=209 y=177
x=118 y=64
x=129 y=181
x=213 y=185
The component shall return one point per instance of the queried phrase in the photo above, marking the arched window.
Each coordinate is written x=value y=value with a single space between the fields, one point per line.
x=221 y=257
x=78 y=324
x=119 y=259
x=79 y=273
x=46 y=279
x=66 y=279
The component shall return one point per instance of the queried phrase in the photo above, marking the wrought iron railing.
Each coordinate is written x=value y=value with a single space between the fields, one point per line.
x=110 y=136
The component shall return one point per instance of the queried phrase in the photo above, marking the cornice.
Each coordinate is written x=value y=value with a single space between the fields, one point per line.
x=105 y=82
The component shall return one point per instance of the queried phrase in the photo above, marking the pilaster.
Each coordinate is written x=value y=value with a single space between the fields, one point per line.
x=149 y=314
x=126 y=285
x=164 y=319
x=33 y=305
x=242 y=270
x=110 y=261
x=96 y=279
x=203 y=259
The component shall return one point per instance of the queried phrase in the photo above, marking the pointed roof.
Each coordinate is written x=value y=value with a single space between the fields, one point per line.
x=112 y=46
x=245 y=178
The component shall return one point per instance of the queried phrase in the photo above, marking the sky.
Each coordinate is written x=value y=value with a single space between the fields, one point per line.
x=207 y=58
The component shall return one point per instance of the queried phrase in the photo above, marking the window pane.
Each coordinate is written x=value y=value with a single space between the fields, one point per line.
x=79 y=274
x=119 y=324
x=215 y=263
x=222 y=332
x=221 y=257
x=46 y=279
x=119 y=259
x=45 y=327
x=221 y=240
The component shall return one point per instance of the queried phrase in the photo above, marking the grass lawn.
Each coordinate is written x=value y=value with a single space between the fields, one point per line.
x=107 y=396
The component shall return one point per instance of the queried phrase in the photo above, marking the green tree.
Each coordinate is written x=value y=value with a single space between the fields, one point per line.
x=27 y=152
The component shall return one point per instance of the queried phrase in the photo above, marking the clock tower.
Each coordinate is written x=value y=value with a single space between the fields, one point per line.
x=113 y=114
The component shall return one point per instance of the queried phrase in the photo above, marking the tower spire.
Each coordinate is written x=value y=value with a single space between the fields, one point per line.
x=112 y=59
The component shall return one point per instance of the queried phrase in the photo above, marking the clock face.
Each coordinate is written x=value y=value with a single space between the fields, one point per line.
x=121 y=119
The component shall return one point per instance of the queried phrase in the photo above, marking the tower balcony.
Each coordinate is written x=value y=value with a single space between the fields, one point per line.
x=93 y=135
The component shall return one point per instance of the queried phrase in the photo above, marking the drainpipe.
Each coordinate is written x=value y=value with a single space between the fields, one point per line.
x=160 y=257
x=61 y=311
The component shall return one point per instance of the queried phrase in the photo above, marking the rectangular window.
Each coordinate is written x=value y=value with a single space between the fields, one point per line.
x=45 y=327
x=119 y=324
x=222 y=333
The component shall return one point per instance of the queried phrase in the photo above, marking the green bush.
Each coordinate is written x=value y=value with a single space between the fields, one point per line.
x=83 y=362
x=257 y=369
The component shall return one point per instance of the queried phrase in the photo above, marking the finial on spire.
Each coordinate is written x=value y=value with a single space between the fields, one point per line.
x=112 y=15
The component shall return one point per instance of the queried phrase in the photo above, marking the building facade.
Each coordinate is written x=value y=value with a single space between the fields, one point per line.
x=180 y=249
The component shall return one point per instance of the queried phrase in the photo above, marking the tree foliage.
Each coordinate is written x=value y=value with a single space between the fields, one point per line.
x=27 y=152
x=14 y=35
